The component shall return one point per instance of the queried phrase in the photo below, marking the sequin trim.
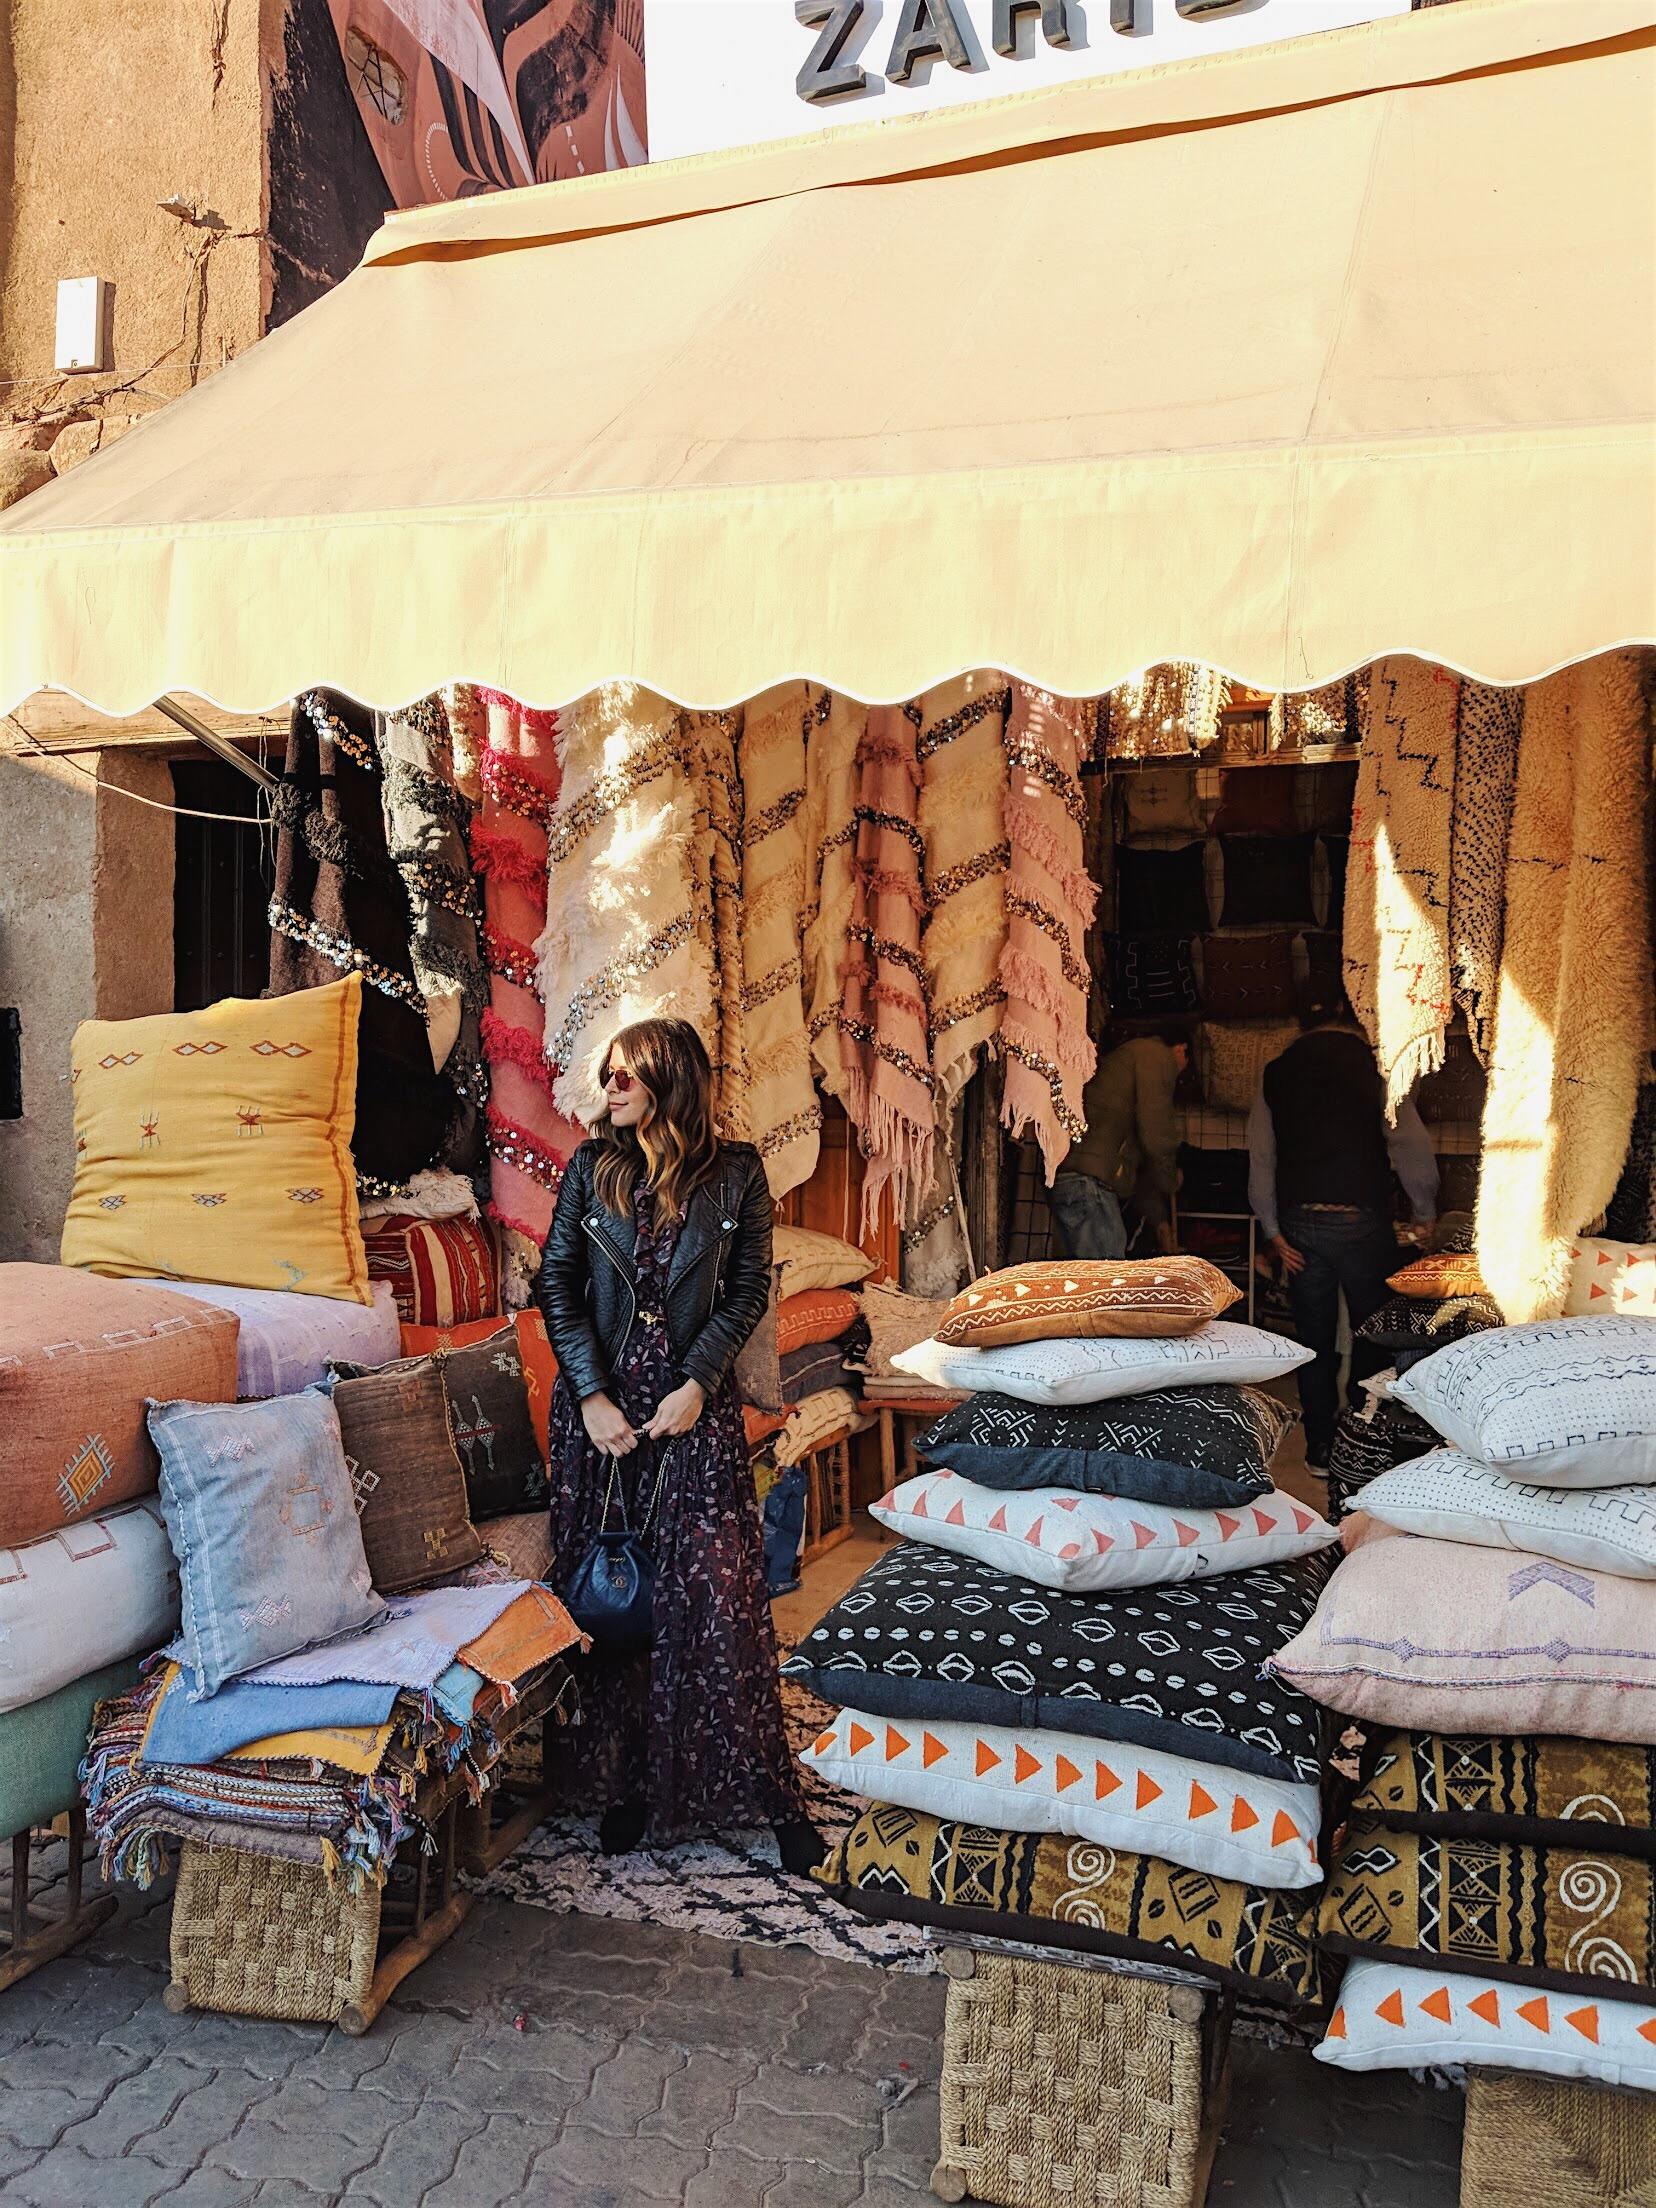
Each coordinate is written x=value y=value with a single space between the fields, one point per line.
x=1038 y=916
x=612 y=983
x=1038 y=1062
x=516 y=791
x=954 y=879
x=443 y=885
x=514 y=1145
x=761 y=825
x=660 y=755
x=880 y=946
x=510 y=960
x=955 y=724
x=898 y=827
x=860 y=1032
x=298 y=928
x=329 y=725
x=807 y=1122
x=761 y=992
x=967 y=1008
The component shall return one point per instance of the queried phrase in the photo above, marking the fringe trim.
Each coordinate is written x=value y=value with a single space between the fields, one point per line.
x=883 y=881
x=899 y=1158
x=1421 y=1057
x=499 y=856
x=516 y=1146
x=784 y=891
x=788 y=1053
x=1037 y=837
x=888 y=992
x=1073 y=1049
x=506 y=1044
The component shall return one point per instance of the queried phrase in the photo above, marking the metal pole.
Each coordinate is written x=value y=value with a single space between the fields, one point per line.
x=219 y=746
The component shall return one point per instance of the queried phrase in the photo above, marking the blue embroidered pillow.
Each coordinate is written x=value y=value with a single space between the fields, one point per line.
x=259 y=1509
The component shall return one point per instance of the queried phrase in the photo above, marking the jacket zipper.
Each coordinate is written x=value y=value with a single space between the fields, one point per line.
x=632 y=1292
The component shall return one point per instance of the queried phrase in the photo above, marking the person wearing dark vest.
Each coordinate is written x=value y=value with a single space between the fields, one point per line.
x=1320 y=1164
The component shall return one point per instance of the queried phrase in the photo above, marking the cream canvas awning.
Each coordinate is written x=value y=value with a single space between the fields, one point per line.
x=1276 y=360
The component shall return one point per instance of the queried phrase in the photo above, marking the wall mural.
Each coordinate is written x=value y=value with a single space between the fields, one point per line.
x=467 y=96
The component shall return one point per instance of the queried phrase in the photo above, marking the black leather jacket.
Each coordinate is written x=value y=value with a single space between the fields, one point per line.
x=718 y=1283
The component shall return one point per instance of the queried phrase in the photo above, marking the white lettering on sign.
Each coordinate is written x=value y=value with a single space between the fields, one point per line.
x=738 y=72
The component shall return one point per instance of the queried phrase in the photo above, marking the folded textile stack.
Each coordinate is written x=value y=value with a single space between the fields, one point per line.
x=318 y=1759
x=896 y=1322
x=87 y=1578
x=1052 y=1690
x=814 y=1328
x=1496 y=1617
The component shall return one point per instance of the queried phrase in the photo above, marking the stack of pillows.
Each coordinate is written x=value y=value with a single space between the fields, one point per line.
x=1052 y=1689
x=812 y=1331
x=1494 y=1623
x=87 y=1578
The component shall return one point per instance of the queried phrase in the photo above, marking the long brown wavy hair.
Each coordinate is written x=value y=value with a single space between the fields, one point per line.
x=674 y=1148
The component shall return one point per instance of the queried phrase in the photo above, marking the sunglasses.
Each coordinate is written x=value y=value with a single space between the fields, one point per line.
x=620 y=1080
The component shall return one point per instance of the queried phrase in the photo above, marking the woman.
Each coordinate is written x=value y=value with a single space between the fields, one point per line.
x=656 y=1270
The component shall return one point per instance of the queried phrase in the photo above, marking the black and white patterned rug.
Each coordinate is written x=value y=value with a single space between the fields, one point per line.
x=727 y=1887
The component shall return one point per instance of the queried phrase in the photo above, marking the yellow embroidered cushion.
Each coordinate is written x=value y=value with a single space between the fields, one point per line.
x=1084 y=1298
x=216 y=1145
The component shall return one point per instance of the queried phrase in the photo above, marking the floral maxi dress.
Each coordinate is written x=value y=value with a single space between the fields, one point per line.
x=694 y=1723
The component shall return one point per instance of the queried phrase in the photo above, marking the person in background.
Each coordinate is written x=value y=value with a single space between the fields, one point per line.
x=1129 y=1154
x=1320 y=1165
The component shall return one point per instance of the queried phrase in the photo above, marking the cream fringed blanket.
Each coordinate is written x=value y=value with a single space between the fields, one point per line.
x=711 y=740
x=1486 y=775
x=832 y=771
x=962 y=758
x=1397 y=877
x=784 y=1117
x=1050 y=901
x=1572 y=1015
x=622 y=939
x=887 y=1083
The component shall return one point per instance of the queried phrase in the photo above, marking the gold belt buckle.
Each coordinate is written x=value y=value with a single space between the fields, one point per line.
x=650 y=1318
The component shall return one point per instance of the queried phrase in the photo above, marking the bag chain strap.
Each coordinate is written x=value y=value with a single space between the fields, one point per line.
x=612 y=1496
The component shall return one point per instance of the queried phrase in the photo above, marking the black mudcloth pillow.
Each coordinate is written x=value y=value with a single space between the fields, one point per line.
x=1191 y=1448
x=1405 y=1330
x=1153 y=977
x=926 y=1634
x=1160 y=892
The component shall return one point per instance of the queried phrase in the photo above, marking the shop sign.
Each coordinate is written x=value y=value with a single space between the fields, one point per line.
x=737 y=72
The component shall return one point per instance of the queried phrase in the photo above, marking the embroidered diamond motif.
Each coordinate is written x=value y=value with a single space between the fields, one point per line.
x=197 y=1050
x=364 y=1480
x=110 y=1203
x=281 y=1050
x=268 y=1610
x=126 y=1058
x=92 y=1466
x=305 y=1195
x=436 y=1542
x=306 y=1509
x=210 y=1202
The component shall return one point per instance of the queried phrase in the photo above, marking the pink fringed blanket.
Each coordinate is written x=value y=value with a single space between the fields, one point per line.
x=1050 y=902
x=883 y=1017
x=529 y=1141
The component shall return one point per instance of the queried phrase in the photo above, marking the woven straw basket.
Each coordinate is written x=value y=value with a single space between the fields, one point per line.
x=258 y=1937
x=1072 y=2088
x=1534 y=2140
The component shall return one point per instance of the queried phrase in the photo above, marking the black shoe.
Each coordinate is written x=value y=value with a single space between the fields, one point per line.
x=801 y=1846
x=621 y=1827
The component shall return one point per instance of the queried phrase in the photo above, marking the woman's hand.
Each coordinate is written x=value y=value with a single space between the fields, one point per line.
x=607 y=1426
x=678 y=1412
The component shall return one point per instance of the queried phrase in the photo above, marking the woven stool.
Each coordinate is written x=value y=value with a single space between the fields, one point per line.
x=1530 y=2140
x=258 y=1937
x=1073 y=2088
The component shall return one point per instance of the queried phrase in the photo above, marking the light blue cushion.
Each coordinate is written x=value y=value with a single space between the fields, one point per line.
x=262 y=1518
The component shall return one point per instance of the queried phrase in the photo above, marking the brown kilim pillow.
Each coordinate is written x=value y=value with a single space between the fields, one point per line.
x=1430 y=1279
x=1081 y=1298
x=410 y=1489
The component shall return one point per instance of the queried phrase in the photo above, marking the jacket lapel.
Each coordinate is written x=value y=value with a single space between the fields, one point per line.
x=704 y=1223
x=616 y=1235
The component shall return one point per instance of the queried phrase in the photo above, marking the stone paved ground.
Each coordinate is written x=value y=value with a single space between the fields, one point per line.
x=574 y=2062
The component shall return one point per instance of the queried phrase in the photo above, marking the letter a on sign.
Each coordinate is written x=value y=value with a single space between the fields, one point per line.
x=926 y=28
